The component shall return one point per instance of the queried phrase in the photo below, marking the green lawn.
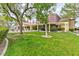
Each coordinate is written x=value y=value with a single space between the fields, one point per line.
x=32 y=44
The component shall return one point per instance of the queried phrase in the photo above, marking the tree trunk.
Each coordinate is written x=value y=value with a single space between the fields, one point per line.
x=46 y=32
x=21 y=27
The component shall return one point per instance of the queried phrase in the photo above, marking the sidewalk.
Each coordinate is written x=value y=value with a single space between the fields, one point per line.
x=2 y=46
x=25 y=31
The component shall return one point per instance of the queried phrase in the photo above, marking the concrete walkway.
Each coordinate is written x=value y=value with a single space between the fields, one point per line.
x=3 y=47
x=25 y=31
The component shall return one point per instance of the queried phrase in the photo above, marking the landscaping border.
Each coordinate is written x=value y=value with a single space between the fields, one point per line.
x=5 y=48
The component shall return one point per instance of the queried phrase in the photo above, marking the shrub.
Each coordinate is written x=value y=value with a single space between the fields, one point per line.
x=71 y=30
x=76 y=28
x=42 y=27
x=60 y=29
x=53 y=28
x=3 y=33
x=34 y=27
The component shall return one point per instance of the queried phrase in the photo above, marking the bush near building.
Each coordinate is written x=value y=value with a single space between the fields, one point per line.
x=71 y=29
x=3 y=33
x=60 y=29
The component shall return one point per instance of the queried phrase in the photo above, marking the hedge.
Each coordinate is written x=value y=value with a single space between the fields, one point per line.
x=3 y=33
x=71 y=30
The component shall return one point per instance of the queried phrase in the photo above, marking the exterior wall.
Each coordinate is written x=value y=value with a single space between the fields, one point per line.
x=71 y=24
x=70 y=21
x=66 y=26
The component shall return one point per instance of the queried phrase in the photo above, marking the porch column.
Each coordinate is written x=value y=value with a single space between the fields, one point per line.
x=30 y=27
x=49 y=27
x=37 y=27
x=26 y=28
x=66 y=26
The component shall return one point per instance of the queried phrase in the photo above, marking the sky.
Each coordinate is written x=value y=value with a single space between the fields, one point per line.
x=77 y=22
x=59 y=8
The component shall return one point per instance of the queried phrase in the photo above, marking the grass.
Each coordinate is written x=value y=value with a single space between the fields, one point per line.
x=32 y=44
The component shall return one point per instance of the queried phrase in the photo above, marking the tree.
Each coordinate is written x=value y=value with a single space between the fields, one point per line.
x=69 y=11
x=17 y=11
x=42 y=14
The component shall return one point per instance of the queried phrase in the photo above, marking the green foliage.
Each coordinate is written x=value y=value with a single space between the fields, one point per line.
x=16 y=11
x=61 y=29
x=76 y=28
x=6 y=12
x=53 y=28
x=3 y=33
x=68 y=10
x=42 y=11
x=34 y=27
x=71 y=29
x=42 y=27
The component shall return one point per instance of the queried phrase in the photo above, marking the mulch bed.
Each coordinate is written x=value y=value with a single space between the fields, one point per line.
x=2 y=46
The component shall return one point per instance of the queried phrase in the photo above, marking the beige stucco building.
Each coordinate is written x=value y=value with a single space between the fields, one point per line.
x=53 y=19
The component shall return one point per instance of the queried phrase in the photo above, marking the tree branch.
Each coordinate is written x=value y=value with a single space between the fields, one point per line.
x=7 y=12
x=12 y=10
x=26 y=8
